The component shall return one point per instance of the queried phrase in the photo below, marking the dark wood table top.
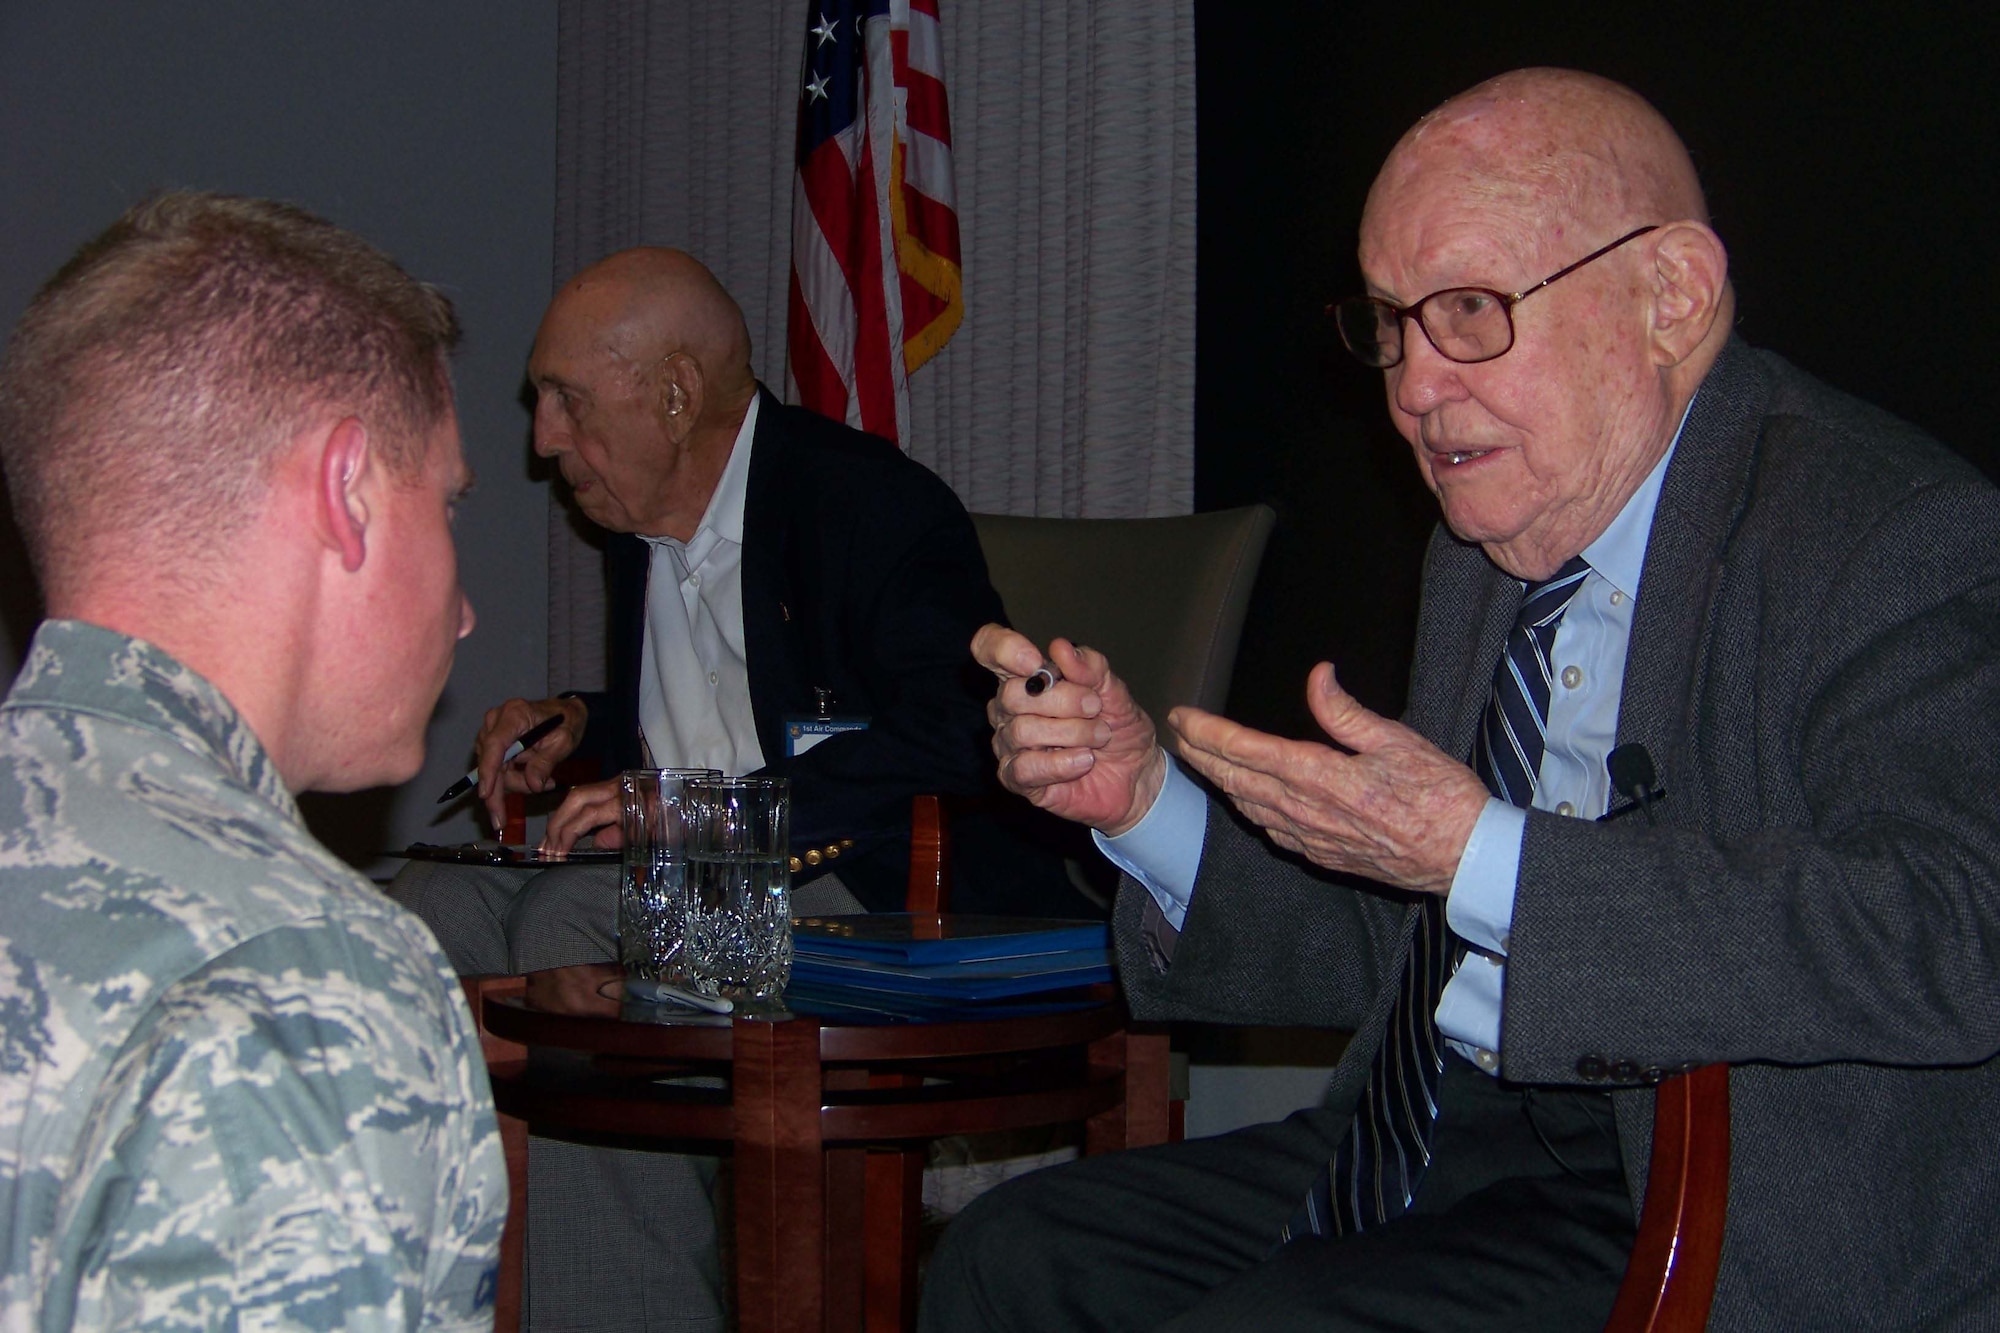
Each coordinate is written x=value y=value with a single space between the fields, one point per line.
x=599 y=1060
x=585 y=1008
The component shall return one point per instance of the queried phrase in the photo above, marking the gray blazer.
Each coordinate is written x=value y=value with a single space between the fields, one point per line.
x=1815 y=668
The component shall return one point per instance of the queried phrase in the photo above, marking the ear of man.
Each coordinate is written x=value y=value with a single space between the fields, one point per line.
x=1690 y=276
x=340 y=510
x=682 y=395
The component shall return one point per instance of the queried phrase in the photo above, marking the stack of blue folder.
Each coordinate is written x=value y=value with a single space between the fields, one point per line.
x=900 y=961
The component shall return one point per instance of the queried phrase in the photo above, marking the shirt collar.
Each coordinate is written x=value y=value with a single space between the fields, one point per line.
x=74 y=666
x=1619 y=553
x=723 y=519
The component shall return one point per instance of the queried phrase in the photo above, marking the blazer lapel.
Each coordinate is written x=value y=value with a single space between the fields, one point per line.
x=765 y=557
x=1672 y=621
x=1469 y=605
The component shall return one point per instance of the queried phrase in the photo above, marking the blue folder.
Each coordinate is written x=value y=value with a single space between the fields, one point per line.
x=920 y=940
x=948 y=958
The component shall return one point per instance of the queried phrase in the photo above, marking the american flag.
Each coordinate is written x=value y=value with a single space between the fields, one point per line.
x=872 y=302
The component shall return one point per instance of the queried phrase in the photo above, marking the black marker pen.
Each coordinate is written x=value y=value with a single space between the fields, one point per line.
x=521 y=742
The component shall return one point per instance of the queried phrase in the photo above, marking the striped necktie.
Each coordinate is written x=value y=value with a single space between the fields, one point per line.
x=1373 y=1174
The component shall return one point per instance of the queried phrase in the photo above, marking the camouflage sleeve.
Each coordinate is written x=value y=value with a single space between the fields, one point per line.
x=304 y=1140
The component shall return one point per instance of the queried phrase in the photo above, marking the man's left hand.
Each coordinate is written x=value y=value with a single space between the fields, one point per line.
x=590 y=807
x=1396 y=809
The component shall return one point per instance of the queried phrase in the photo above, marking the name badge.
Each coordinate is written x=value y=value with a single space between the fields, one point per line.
x=802 y=733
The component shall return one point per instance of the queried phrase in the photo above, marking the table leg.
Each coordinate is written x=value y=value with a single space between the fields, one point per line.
x=780 y=1177
x=894 y=1221
x=874 y=1208
x=846 y=1237
x=1140 y=1118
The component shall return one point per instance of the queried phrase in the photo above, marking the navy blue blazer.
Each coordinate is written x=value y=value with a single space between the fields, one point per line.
x=861 y=575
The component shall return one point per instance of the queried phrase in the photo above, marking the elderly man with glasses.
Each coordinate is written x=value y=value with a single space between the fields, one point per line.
x=1698 y=767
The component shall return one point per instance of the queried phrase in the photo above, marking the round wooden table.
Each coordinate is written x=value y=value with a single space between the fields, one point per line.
x=825 y=1114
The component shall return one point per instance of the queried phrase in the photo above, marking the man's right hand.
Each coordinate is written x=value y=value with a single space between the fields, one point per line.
x=532 y=771
x=1082 y=748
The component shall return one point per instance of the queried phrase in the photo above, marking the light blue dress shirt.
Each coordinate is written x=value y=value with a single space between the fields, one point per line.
x=1163 y=850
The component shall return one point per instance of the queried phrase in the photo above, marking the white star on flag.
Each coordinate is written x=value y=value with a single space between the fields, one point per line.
x=825 y=29
x=816 y=87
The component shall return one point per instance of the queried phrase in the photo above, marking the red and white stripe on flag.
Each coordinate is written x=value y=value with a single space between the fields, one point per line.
x=875 y=288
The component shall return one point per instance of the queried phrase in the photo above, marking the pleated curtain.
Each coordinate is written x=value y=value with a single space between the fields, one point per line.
x=1069 y=389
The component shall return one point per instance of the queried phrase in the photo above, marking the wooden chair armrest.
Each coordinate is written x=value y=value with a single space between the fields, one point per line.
x=1670 y=1278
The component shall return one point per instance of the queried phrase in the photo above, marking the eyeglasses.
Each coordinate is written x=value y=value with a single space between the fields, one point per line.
x=1465 y=324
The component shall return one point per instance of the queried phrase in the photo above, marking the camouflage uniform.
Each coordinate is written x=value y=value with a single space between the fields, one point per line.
x=238 y=1086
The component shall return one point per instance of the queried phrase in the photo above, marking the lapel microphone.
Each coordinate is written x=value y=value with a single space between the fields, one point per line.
x=1632 y=777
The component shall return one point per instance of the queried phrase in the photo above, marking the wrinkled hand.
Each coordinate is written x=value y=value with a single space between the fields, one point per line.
x=530 y=772
x=1081 y=749
x=1397 y=809
x=589 y=807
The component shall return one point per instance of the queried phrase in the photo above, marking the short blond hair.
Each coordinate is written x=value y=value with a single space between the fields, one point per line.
x=156 y=378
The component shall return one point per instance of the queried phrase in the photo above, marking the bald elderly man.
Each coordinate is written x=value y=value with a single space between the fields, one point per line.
x=1653 y=536
x=762 y=559
x=760 y=556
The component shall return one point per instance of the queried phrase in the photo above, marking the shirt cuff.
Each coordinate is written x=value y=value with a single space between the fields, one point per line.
x=1468 y=1012
x=1480 y=908
x=1163 y=850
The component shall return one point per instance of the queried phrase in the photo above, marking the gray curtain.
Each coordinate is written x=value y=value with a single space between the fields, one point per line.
x=1069 y=389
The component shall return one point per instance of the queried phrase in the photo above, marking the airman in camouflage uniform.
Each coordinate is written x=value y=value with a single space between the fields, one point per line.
x=236 y=1081
x=239 y=1087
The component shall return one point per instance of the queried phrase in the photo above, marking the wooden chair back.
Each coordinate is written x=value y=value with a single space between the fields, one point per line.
x=1163 y=598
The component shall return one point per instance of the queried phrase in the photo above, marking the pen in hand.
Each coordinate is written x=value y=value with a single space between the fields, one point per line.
x=521 y=743
x=1045 y=675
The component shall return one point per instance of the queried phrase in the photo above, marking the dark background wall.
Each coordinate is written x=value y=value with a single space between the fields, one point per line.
x=430 y=129
x=1850 y=168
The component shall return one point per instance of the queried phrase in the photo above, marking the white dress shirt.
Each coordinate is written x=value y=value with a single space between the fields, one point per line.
x=694 y=681
x=1163 y=850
